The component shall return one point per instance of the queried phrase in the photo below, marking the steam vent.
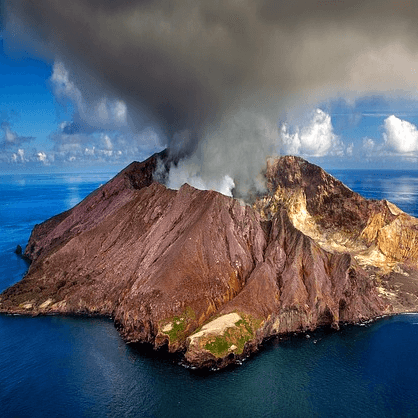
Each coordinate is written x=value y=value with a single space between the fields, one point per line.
x=205 y=275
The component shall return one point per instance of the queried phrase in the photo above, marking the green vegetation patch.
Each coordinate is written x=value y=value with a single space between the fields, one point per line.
x=235 y=337
x=176 y=326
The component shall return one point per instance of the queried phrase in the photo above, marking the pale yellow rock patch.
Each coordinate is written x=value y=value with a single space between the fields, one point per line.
x=45 y=304
x=59 y=305
x=393 y=208
x=218 y=326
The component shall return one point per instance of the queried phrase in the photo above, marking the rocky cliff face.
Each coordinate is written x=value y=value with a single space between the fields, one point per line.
x=200 y=272
x=381 y=237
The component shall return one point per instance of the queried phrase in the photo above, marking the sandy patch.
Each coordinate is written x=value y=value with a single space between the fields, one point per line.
x=218 y=326
x=168 y=327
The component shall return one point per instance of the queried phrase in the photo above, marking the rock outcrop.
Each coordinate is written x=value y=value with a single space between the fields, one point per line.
x=381 y=237
x=202 y=273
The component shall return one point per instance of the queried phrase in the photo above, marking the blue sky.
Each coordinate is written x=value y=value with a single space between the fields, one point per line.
x=32 y=111
x=52 y=121
x=26 y=98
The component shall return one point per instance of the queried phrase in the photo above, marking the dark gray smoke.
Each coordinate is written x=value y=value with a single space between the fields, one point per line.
x=214 y=76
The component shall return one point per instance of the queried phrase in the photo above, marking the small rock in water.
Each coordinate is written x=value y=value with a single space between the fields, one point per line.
x=18 y=250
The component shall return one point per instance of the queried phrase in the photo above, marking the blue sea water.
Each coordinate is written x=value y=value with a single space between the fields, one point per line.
x=80 y=367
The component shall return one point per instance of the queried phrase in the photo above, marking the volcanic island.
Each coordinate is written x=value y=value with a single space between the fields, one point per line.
x=207 y=276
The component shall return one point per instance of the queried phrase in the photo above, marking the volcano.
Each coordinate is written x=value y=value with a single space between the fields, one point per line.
x=208 y=276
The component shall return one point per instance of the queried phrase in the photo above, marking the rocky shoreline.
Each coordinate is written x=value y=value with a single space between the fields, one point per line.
x=204 y=275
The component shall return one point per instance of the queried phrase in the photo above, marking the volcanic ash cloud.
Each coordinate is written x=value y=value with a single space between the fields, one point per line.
x=213 y=78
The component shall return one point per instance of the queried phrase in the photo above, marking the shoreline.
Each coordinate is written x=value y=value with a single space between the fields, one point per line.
x=216 y=365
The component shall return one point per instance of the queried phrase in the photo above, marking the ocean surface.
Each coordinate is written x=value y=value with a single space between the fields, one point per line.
x=80 y=367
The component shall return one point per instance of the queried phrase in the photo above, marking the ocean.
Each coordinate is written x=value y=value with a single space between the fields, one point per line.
x=80 y=367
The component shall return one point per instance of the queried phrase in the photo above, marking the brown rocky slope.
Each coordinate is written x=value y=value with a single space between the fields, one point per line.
x=204 y=274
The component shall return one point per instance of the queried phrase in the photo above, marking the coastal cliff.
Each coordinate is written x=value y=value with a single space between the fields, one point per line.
x=201 y=273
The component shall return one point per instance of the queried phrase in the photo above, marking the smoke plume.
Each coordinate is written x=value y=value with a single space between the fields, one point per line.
x=213 y=77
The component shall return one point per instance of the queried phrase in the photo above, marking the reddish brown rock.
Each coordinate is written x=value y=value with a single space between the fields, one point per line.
x=202 y=273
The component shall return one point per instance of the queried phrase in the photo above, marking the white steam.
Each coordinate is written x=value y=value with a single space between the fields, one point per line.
x=189 y=172
x=231 y=156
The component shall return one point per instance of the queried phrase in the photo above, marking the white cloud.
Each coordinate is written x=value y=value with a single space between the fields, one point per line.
x=107 y=142
x=89 y=151
x=317 y=139
x=369 y=146
x=399 y=143
x=99 y=129
x=19 y=156
x=350 y=150
x=64 y=88
x=11 y=140
x=13 y=150
x=89 y=114
x=120 y=111
x=400 y=135
x=372 y=150
x=110 y=147
x=42 y=157
x=9 y=136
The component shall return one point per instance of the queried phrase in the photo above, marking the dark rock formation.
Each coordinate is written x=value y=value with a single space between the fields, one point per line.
x=202 y=273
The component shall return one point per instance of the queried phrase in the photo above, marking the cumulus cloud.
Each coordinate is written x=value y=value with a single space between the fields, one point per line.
x=10 y=139
x=316 y=139
x=64 y=89
x=19 y=156
x=399 y=142
x=12 y=145
x=42 y=157
x=350 y=150
x=31 y=157
x=109 y=147
x=71 y=146
x=400 y=135
x=75 y=145
x=102 y=113
x=99 y=129
x=369 y=145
